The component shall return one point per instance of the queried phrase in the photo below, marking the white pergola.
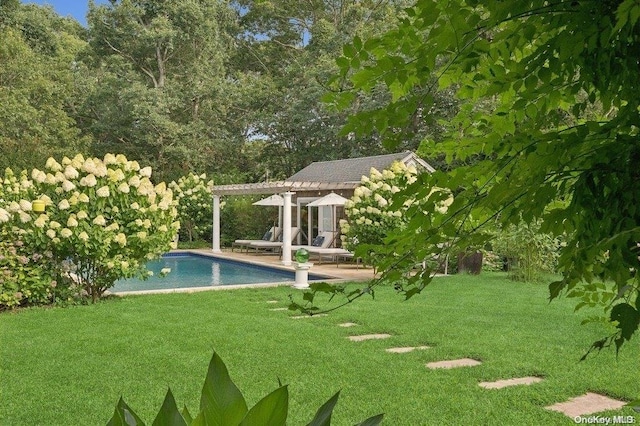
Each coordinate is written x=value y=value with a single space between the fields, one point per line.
x=286 y=189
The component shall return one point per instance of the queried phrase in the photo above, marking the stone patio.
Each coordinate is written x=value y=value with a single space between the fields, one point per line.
x=405 y=349
x=499 y=384
x=586 y=404
x=368 y=337
x=454 y=363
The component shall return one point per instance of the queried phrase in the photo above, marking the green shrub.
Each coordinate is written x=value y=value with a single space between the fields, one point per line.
x=371 y=216
x=104 y=218
x=528 y=252
x=195 y=209
x=222 y=403
x=240 y=219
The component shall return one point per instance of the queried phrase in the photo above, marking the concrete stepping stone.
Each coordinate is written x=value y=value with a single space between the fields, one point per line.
x=586 y=404
x=347 y=324
x=308 y=316
x=454 y=363
x=499 y=384
x=405 y=349
x=272 y=301
x=279 y=309
x=368 y=337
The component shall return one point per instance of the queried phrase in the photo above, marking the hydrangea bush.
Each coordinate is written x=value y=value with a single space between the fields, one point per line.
x=194 y=196
x=105 y=218
x=371 y=216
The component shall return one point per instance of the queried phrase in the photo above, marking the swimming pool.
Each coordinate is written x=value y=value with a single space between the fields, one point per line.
x=190 y=270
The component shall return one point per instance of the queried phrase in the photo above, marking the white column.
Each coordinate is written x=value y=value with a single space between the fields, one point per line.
x=309 y=225
x=216 y=224
x=298 y=221
x=286 y=229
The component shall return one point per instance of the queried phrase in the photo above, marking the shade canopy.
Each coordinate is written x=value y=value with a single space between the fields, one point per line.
x=331 y=199
x=274 y=200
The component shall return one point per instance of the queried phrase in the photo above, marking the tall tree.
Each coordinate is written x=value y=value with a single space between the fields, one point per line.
x=545 y=152
x=293 y=44
x=37 y=54
x=161 y=91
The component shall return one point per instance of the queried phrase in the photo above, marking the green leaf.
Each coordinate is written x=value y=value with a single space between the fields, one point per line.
x=323 y=415
x=169 y=415
x=124 y=416
x=635 y=405
x=628 y=319
x=221 y=403
x=186 y=415
x=271 y=410
x=372 y=421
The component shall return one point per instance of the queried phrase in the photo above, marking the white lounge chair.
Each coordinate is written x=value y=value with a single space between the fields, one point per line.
x=271 y=235
x=271 y=245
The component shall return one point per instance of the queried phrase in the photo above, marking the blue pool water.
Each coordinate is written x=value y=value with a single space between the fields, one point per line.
x=192 y=270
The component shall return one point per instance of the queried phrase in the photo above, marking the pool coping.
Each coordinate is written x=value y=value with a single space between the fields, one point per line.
x=329 y=278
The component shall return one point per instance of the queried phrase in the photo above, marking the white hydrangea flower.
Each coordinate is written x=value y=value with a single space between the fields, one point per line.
x=70 y=172
x=100 y=170
x=72 y=222
x=110 y=159
x=113 y=227
x=66 y=161
x=124 y=188
x=163 y=228
x=60 y=177
x=51 y=233
x=53 y=165
x=103 y=191
x=4 y=215
x=38 y=175
x=84 y=198
x=64 y=204
x=24 y=217
x=135 y=206
x=124 y=264
x=142 y=235
x=145 y=172
x=25 y=205
x=73 y=200
x=83 y=236
x=54 y=225
x=45 y=198
x=99 y=220
x=68 y=186
x=146 y=224
x=41 y=221
x=65 y=233
x=89 y=181
x=82 y=215
x=134 y=181
x=121 y=239
x=121 y=159
x=50 y=179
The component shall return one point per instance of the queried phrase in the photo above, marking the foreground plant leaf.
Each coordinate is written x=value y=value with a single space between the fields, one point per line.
x=169 y=415
x=323 y=415
x=271 y=410
x=124 y=416
x=372 y=421
x=221 y=403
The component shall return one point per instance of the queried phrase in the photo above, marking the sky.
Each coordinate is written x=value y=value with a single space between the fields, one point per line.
x=74 y=8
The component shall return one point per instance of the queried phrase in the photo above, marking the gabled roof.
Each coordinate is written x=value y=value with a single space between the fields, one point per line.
x=352 y=169
x=327 y=175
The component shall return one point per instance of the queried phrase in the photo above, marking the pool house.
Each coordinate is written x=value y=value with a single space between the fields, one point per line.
x=310 y=184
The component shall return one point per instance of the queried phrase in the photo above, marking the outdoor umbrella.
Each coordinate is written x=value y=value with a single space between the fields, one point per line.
x=331 y=199
x=273 y=200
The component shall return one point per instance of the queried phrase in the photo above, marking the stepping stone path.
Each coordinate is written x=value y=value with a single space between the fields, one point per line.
x=454 y=363
x=510 y=382
x=586 y=404
x=368 y=337
x=406 y=349
x=347 y=324
x=279 y=309
x=308 y=316
x=272 y=301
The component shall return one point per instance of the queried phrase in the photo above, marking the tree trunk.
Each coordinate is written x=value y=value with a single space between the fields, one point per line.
x=470 y=262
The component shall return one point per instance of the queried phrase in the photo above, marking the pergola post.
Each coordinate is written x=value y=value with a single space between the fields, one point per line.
x=286 y=229
x=216 y=224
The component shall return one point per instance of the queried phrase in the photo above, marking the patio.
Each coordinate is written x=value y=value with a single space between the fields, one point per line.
x=348 y=271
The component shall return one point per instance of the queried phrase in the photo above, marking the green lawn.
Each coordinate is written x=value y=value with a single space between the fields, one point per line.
x=69 y=366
